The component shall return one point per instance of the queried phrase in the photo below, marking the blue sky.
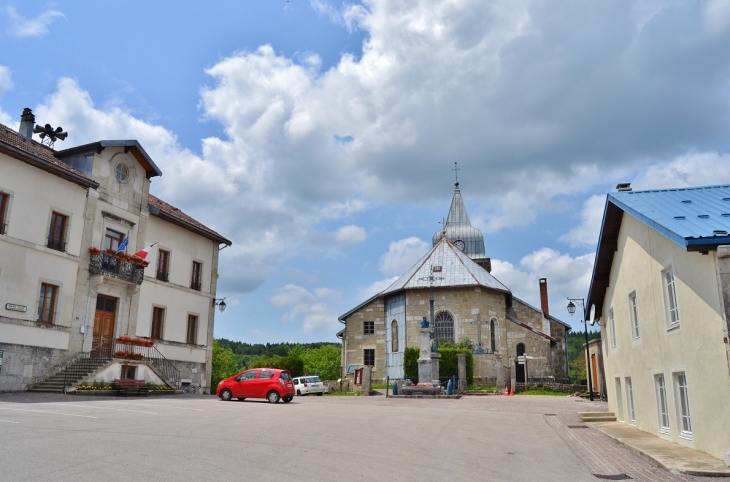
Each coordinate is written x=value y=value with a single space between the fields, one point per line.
x=320 y=136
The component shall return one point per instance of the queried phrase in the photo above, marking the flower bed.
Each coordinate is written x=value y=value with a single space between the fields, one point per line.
x=128 y=340
x=130 y=355
x=92 y=387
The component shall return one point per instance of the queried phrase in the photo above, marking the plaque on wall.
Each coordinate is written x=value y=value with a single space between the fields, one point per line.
x=12 y=307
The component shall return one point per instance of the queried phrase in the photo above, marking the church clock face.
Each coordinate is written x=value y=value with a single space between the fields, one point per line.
x=459 y=244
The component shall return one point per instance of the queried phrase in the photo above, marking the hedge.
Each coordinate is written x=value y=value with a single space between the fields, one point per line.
x=448 y=364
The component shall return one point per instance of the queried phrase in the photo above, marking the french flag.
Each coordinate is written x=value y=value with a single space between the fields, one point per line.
x=144 y=252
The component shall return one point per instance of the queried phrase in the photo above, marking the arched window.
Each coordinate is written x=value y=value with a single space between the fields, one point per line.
x=444 y=327
x=394 y=335
x=492 y=339
x=520 y=349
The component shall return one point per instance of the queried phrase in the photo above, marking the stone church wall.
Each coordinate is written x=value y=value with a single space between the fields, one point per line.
x=355 y=341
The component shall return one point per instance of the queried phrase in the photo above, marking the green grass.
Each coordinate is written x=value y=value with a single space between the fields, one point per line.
x=489 y=389
x=543 y=392
x=379 y=386
x=342 y=394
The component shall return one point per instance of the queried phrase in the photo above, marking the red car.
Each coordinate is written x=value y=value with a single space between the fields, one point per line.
x=269 y=383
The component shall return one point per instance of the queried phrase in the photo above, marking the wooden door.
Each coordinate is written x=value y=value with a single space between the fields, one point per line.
x=104 y=318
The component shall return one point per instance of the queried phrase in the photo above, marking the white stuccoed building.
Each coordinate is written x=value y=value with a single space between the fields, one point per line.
x=65 y=301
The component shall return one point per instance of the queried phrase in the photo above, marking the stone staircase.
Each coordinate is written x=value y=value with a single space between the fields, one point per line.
x=597 y=417
x=78 y=370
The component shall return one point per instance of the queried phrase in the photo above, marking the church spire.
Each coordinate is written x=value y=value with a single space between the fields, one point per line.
x=460 y=232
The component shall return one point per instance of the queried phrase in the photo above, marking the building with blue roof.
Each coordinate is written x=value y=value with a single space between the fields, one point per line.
x=661 y=291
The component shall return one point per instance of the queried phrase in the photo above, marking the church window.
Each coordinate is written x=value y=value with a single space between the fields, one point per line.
x=520 y=349
x=368 y=327
x=444 y=327
x=394 y=335
x=492 y=338
x=368 y=357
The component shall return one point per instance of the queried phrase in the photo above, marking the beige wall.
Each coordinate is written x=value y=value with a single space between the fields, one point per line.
x=695 y=347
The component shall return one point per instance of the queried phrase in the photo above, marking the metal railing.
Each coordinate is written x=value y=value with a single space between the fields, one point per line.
x=56 y=243
x=170 y=373
x=3 y=227
x=103 y=263
x=196 y=286
x=162 y=276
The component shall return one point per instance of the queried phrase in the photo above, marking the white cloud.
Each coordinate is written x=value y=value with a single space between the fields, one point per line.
x=313 y=309
x=402 y=254
x=717 y=16
x=351 y=234
x=6 y=84
x=375 y=288
x=591 y=217
x=567 y=276
x=31 y=27
x=699 y=169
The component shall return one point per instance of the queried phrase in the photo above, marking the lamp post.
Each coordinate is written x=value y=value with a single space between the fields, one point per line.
x=571 y=310
x=220 y=303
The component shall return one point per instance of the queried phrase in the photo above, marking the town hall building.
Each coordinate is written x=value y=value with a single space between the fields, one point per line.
x=469 y=303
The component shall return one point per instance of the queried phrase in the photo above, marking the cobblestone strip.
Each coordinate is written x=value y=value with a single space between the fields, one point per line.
x=592 y=461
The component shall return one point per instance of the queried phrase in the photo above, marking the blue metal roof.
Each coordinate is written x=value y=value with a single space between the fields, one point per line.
x=691 y=217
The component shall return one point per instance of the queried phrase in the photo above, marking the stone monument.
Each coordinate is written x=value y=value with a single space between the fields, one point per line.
x=425 y=361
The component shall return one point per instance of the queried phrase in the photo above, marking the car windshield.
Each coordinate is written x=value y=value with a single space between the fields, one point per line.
x=313 y=379
x=285 y=376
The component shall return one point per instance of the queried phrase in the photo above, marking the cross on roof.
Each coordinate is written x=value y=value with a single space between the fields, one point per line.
x=456 y=171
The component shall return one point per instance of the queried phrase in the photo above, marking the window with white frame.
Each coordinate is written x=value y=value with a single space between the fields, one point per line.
x=612 y=327
x=661 y=393
x=634 y=315
x=670 y=293
x=685 y=423
x=630 y=401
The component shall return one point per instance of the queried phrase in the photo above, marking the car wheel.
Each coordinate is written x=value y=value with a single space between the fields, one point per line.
x=319 y=394
x=226 y=395
x=299 y=393
x=273 y=396
x=287 y=399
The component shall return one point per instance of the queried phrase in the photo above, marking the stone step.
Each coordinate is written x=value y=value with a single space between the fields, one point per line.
x=597 y=417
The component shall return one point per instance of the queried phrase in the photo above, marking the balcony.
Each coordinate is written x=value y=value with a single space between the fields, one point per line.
x=162 y=276
x=118 y=266
x=3 y=227
x=196 y=285
x=56 y=243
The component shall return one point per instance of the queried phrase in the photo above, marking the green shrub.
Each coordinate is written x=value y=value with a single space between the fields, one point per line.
x=410 y=363
x=449 y=363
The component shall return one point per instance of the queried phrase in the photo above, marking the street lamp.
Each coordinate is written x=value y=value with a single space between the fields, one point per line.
x=220 y=303
x=571 y=310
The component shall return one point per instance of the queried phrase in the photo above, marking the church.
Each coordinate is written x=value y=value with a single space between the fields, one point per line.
x=468 y=303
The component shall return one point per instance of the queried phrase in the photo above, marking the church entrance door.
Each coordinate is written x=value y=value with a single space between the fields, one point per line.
x=104 y=319
x=520 y=369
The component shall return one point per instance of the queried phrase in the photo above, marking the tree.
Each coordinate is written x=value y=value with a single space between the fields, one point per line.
x=324 y=361
x=224 y=364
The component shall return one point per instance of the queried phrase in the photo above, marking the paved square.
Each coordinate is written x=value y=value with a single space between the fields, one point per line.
x=66 y=438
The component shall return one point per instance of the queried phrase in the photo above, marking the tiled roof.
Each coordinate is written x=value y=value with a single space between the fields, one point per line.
x=688 y=216
x=457 y=269
x=43 y=153
x=174 y=212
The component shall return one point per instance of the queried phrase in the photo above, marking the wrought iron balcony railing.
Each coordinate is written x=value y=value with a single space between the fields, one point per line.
x=109 y=265
x=196 y=285
x=162 y=276
x=56 y=243
x=3 y=227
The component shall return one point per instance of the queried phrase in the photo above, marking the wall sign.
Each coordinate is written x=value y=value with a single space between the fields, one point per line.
x=12 y=307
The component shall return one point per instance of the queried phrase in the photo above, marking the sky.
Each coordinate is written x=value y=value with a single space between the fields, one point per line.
x=320 y=136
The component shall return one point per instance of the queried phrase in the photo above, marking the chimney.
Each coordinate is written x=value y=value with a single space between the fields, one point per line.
x=27 y=122
x=544 y=297
x=623 y=187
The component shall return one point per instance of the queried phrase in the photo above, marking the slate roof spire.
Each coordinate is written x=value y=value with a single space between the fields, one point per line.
x=459 y=231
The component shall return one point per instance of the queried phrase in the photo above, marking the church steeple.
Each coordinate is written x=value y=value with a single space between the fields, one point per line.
x=461 y=233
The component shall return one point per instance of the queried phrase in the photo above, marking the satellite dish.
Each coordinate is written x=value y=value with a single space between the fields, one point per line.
x=592 y=319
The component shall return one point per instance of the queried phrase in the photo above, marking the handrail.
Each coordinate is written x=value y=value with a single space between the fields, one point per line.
x=81 y=355
x=170 y=373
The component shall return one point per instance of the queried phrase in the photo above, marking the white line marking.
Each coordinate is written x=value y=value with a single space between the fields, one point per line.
x=43 y=411
x=7 y=421
x=101 y=408
x=160 y=406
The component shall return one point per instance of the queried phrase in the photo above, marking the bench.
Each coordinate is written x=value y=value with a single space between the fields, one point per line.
x=124 y=385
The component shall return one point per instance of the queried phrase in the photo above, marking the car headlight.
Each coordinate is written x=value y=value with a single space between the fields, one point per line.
x=221 y=382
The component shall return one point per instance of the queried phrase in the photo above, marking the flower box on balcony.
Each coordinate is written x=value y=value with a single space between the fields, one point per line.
x=128 y=340
x=129 y=355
